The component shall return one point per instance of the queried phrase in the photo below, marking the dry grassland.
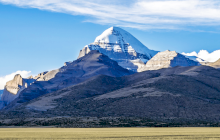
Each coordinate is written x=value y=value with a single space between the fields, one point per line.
x=109 y=133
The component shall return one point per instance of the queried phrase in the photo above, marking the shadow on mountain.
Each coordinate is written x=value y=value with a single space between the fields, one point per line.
x=178 y=94
x=90 y=65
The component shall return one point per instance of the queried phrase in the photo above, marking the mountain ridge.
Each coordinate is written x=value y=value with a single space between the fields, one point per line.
x=92 y=64
x=168 y=59
x=164 y=95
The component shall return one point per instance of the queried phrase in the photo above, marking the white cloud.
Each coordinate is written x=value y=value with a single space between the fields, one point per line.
x=141 y=14
x=4 y=79
x=190 y=54
x=205 y=55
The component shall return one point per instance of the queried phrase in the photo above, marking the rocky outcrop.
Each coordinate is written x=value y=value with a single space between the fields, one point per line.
x=83 y=52
x=13 y=89
x=45 y=76
x=168 y=59
x=122 y=47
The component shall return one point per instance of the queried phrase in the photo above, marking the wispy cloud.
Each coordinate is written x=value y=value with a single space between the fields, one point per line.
x=9 y=77
x=141 y=14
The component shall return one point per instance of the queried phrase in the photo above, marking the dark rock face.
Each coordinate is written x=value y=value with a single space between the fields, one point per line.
x=1 y=92
x=90 y=65
x=172 y=94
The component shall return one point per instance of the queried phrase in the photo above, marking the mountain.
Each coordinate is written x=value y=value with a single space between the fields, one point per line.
x=204 y=56
x=1 y=92
x=13 y=89
x=92 y=64
x=167 y=59
x=215 y=64
x=194 y=58
x=1 y=102
x=97 y=89
x=122 y=47
x=172 y=95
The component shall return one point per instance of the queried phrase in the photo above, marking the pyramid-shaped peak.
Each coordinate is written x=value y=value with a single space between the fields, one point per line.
x=122 y=47
x=113 y=35
x=114 y=29
x=123 y=40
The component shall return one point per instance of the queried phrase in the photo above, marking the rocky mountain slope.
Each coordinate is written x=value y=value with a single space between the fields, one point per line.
x=122 y=47
x=167 y=59
x=13 y=89
x=92 y=64
x=1 y=92
x=215 y=64
x=173 y=94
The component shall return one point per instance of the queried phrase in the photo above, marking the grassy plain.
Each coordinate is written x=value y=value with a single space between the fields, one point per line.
x=109 y=133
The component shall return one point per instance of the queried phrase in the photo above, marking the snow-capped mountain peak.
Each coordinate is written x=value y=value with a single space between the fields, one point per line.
x=126 y=41
x=122 y=47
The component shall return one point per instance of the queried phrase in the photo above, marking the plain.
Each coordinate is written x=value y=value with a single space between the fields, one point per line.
x=189 y=133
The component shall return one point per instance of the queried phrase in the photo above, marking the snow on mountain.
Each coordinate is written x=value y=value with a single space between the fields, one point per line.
x=122 y=47
x=168 y=59
x=195 y=58
x=204 y=55
x=123 y=41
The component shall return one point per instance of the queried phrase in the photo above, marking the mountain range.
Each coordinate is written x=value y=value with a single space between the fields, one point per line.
x=71 y=73
x=120 y=80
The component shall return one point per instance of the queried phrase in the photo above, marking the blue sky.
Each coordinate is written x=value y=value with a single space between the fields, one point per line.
x=39 y=35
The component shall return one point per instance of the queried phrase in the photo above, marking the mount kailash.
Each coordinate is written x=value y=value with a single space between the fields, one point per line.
x=117 y=76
